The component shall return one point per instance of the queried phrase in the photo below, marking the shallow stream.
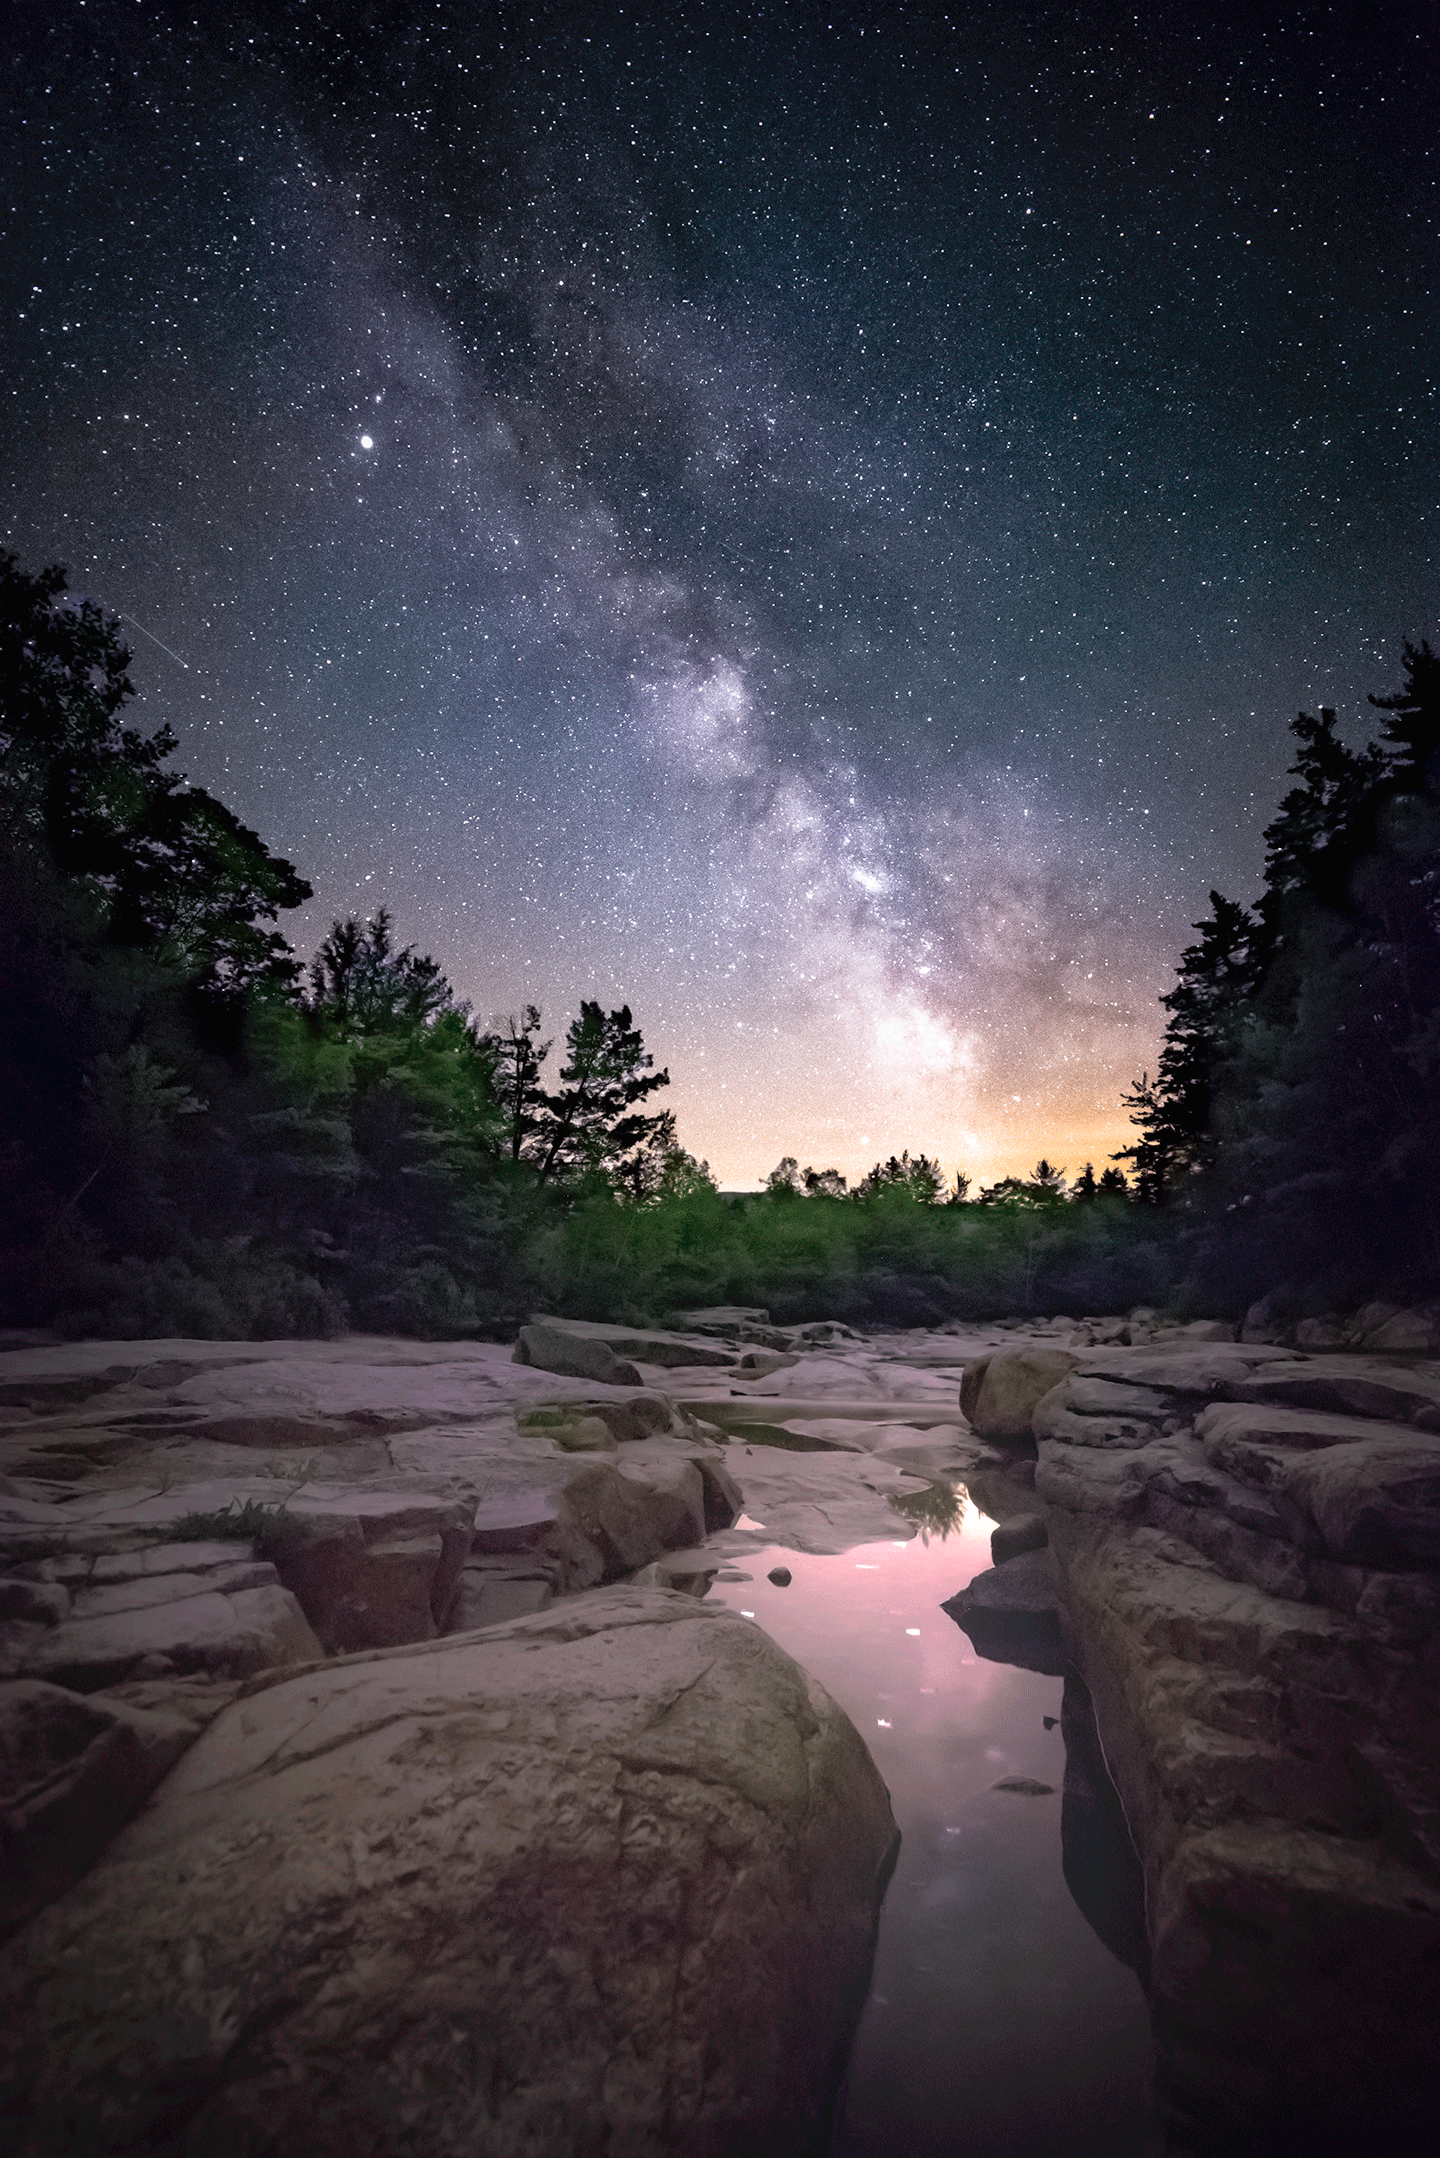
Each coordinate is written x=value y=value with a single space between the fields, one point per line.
x=997 y=2023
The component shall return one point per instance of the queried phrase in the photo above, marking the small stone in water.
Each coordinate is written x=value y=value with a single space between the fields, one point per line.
x=1024 y=1787
x=781 y=1576
x=1049 y=1722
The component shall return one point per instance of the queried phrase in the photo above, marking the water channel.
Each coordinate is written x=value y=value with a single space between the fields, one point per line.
x=998 y=2025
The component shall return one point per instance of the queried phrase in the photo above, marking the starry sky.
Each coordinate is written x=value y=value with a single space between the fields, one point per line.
x=808 y=520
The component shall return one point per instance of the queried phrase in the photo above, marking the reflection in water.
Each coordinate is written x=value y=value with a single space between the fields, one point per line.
x=938 y=1510
x=997 y=2025
x=1101 y=1865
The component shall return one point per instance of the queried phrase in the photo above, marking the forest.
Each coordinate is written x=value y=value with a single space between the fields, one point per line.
x=199 y=1136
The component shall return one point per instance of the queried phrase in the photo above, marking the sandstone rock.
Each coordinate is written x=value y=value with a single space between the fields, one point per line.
x=72 y=1772
x=1093 y=1480
x=516 y=1524
x=1229 y=1719
x=1292 y=1979
x=602 y=1879
x=1011 y=1616
x=999 y=1393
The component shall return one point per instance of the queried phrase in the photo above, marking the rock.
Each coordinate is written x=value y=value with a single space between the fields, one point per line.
x=1229 y=1717
x=1025 y=1786
x=72 y=1772
x=1099 y=1412
x=1342 y=1385
x=1011 y=1615
x=576 y=1356
x=373 y=1569
x=759 y=1363
x=1024 y=1532
x=492 y=1591
x=644 y=1345
x=586 y=1435
x=781 y=1576
x=1263 y=1322
x=228 y=1621
x=1086 y=1479
x=44 y=1602
x=1407 y=1332
x=602 y=1879
x=1367 y=1494
x=732 y=1322
x=516 y=1524
x=999 y=1393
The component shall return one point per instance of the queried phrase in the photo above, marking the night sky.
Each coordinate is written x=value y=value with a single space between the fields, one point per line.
x=810 y=521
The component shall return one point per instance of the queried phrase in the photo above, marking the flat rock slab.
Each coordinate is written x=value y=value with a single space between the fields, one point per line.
x=603 y=1879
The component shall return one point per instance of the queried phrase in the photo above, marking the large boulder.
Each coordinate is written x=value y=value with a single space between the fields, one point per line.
x=999 y=1393
x=603 y=1879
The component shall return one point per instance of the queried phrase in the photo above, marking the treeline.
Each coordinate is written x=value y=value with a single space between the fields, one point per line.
x=1292 y=1128
x=197 y=1136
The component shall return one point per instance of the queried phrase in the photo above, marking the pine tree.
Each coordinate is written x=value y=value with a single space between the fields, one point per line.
x=593 y=1121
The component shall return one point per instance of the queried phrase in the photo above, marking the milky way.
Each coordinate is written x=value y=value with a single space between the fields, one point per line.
x=813 y=525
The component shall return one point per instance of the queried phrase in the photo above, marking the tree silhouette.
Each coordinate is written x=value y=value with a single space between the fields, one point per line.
x=592 y=1122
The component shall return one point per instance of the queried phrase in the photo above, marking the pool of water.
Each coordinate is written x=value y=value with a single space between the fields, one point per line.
x=997 y=2024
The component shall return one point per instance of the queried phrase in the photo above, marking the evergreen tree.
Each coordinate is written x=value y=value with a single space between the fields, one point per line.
x=518 y=1058
x=593 y=1121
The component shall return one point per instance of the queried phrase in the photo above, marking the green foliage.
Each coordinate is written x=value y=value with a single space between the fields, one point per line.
x=270 y=1529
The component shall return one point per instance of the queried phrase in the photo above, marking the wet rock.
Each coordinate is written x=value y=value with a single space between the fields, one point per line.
x=1011 y=1614
x=999 y=1393
x=1023 y=1532
x=561 y=1852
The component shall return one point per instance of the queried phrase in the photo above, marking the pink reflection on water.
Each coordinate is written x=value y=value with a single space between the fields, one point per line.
x=998 y=2025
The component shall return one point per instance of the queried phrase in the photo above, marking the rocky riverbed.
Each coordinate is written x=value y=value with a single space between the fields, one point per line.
x=373 y=1774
